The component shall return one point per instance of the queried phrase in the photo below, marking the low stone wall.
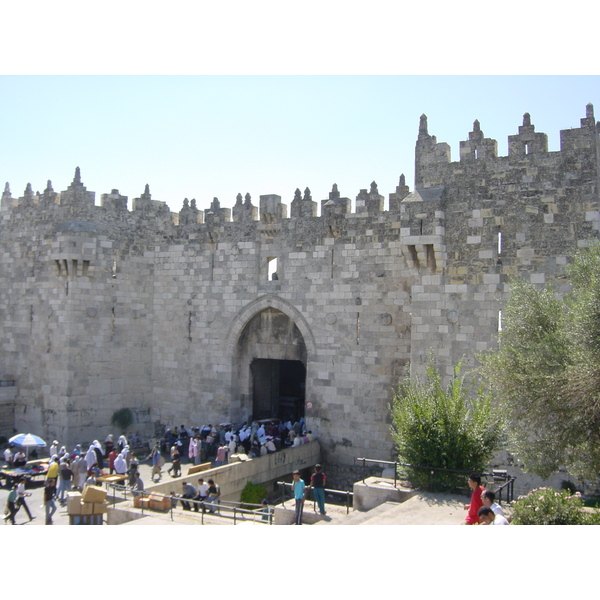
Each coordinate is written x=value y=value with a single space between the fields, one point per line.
x=285 y=515
x=118 y=516
x=377 y=490
x=232 y=478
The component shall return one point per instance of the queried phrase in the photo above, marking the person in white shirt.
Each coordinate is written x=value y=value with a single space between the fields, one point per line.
x=488 y=517
x=54 y=448
x=21 y=498
x=232 y=445
x=202 y=494
x=8 y=455
x=488 y=498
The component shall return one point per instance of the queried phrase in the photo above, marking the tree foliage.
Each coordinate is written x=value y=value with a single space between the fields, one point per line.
x=546 y=371
x=253 y=493
x=122 y=418
x=442 y=427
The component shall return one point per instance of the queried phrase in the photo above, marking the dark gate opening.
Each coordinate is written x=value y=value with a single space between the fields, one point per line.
x=278 y=389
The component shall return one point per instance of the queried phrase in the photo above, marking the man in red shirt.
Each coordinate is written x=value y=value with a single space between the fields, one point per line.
x=111 y=459
x=476 y=503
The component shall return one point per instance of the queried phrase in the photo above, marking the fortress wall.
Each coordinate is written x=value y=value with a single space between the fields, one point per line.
x=104 y=307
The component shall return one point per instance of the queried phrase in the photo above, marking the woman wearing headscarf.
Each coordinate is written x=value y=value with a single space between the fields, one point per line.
x=83 y=470
x=120 y=464
x=122 y=443
x=99 y=454
x=90 y=457
x=108 y=445
x=54 y=448
x=75 y=468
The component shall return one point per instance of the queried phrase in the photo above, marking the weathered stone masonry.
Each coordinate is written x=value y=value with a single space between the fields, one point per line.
x=104 y=308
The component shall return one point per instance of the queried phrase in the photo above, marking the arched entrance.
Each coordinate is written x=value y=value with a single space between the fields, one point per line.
x=271 y=367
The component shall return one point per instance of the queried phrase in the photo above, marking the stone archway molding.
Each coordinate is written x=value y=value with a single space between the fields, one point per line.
x=253 y=308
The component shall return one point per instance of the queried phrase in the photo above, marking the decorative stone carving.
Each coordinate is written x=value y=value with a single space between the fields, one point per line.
x=385 y=319
x=452 y=316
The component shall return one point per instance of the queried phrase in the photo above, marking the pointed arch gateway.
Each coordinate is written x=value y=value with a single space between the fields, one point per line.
x=270 y=343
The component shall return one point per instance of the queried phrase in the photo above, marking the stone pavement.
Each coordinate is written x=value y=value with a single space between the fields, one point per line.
x=421 y=509
x=35 y=501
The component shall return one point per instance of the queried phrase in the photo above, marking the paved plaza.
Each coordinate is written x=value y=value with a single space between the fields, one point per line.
x=421 y=509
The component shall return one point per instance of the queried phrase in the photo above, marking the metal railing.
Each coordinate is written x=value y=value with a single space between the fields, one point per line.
x=224 y=509
x=379 y=462
x=505 y=489
x=349 y=496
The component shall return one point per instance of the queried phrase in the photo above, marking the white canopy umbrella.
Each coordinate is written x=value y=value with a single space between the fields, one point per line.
x=27 y=440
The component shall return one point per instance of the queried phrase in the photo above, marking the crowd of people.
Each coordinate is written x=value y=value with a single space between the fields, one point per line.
x=219 y=442
x=75 y=469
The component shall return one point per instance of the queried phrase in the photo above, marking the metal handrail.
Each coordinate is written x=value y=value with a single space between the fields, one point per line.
x=347 y=494
x=226 y=506
x=507 y=486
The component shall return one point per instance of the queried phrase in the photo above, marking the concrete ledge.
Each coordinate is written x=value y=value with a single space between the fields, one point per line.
x=377 y=490
x=285 y=515
x=118 y=516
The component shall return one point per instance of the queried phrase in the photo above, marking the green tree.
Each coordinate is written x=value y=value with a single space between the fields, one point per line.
x=448 y=427
x=122 y=418
x=546 y=371
x=253 y=493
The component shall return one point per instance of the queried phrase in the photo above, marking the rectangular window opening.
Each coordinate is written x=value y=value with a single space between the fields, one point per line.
x=272 y=268
x=430 y=254
x=412 y=251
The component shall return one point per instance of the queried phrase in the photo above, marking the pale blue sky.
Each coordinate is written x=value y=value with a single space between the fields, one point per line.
x=214 y=136
x=272 y=96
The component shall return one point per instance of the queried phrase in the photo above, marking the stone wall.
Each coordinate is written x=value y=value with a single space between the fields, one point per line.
x=103 y=307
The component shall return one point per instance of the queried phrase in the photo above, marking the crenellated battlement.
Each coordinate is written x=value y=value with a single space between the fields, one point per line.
x=479 y=155
x=534 y=200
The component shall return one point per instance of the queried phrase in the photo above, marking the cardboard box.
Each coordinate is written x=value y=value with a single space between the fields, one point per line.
x=141 y=501
x=87 y=508
x=74 y=503
x=100 y=508
x=159 y=502
x=92 y=493
x=199 y=468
